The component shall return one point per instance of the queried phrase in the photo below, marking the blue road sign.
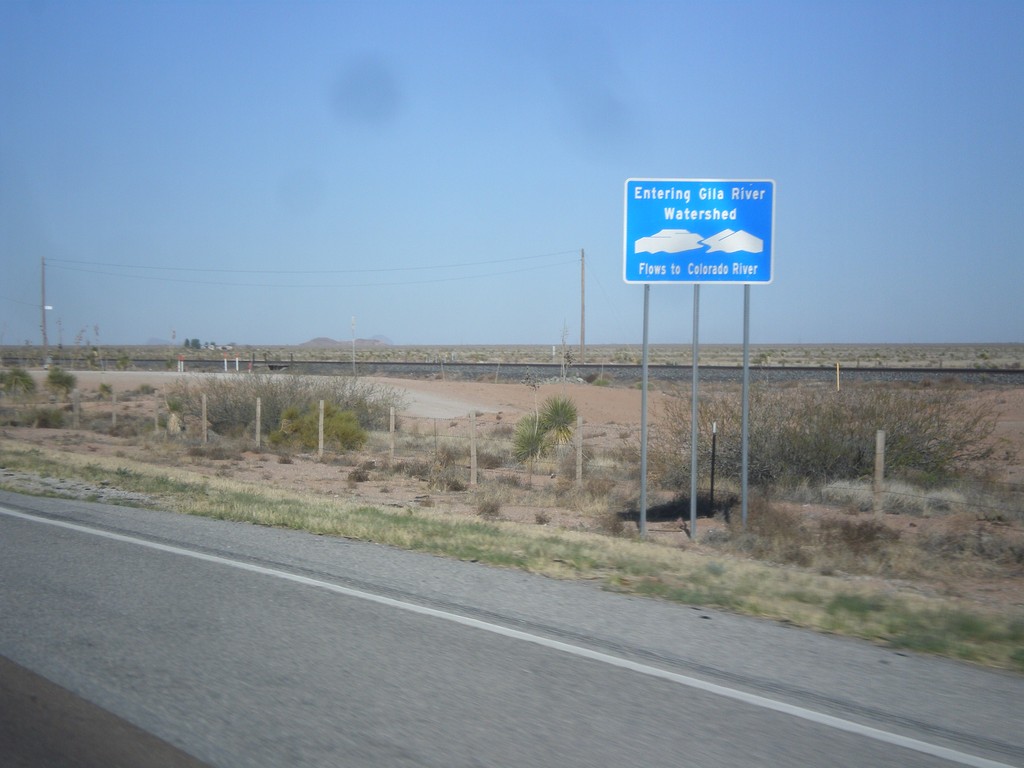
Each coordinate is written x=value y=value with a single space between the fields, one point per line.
x=699 y=231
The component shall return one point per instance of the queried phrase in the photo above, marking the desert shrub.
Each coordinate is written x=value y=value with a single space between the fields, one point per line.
x=231 y=401
x=510 y=481
x=856 y=536
x=218 y=451
x=611 y=522
x=448 y=453
x=489 y=508
x=902 y=497
x=46 y=418
x=420 y=470
x=775 y=533
x=60 y=382
x=446 y=478
x=982 y=543
x=302 y=428
x=489 y=459
x=17 y=382
x=817 y=434
x=371 y=403
x=599 y=486
x=502 y=430
x=130 y=427
x=358 y=475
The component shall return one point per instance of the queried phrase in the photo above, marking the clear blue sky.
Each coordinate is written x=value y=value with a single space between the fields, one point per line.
x=261 y=172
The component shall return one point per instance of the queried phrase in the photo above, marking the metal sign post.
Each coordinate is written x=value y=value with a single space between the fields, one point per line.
x=643 y=420
x=745 y=408
x=698 y=231
x=693 y=413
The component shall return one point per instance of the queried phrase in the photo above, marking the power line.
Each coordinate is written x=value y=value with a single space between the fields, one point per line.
x=389 y=283
x=19 y=301
x=457 y=265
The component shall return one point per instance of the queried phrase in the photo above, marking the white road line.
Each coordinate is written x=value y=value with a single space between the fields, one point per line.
x=763 y=702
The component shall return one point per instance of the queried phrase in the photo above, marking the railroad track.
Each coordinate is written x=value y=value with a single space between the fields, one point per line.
x=616 y=372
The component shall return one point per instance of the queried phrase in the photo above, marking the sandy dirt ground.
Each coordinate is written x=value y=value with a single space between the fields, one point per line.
x=424 y=398
x=601 y=407
x=609 y=411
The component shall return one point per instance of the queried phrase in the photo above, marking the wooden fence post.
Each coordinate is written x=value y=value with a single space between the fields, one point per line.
x=579 y=450
x=472 y=448
x=320 y=449
x=392 y=433
x=877 y=491
x=204 y=419
x=259 y=419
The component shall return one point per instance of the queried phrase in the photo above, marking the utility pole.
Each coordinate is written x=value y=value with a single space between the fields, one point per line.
x=583 y=306
x=42 y=310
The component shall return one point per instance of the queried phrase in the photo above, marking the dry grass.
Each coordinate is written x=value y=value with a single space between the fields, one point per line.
x=946 y=557
x=820 y=598
x=816 y=556
x=965 y=498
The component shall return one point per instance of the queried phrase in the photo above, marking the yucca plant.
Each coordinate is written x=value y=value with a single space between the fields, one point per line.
x=530 y=442
x=537 y=433
x=558 y=419
x=17 y=382
x=60 y=382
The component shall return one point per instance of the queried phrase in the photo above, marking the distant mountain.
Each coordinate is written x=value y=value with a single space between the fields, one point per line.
x=321 y=342
x=324 y=342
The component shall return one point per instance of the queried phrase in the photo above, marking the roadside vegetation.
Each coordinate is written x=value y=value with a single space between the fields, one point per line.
x=231 y=402
x=841 y=569
x=815 y=435
x=17 y=382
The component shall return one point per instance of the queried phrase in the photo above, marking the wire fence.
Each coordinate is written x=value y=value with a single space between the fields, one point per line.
x=485 y=443
x=471 y=449
x=460 y=453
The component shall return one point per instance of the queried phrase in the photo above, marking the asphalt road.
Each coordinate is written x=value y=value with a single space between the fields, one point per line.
x=236 y=645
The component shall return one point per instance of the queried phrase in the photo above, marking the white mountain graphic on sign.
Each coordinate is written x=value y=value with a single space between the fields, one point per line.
x=668 y=241
x=728 y=241
x=678 y=240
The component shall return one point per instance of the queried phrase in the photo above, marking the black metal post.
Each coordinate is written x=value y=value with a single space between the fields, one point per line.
x=711 y=500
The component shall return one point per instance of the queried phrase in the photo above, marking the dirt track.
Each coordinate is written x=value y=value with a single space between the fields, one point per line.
x=428 y=399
